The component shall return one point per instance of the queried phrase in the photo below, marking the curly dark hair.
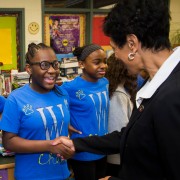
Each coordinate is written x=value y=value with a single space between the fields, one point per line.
x=117 y=74
x=149 y=20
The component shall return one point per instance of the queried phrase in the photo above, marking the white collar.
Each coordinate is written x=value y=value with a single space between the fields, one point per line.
x=162 y=74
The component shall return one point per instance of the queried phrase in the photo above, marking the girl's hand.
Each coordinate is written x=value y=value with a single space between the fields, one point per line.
x=72 y=129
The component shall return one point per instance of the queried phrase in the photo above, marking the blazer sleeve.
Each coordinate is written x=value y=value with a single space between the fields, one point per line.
x=167 y=130
x=107 y=144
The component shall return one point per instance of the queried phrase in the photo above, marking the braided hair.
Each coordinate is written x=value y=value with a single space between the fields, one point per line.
x=33 y=49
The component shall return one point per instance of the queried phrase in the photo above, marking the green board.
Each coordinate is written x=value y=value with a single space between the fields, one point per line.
x=8 y=50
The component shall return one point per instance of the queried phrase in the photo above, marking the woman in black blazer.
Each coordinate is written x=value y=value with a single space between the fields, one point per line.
x=150 y=144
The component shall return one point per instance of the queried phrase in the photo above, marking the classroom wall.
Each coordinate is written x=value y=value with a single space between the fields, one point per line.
x=33 y=13
x=175 y=15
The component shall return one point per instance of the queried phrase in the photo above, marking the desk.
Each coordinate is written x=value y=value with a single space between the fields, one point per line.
x=7 y=168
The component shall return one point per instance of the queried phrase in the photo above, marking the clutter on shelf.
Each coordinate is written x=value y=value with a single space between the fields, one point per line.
x=69 y=67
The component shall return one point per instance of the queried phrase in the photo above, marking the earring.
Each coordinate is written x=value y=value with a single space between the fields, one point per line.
x=131 y=56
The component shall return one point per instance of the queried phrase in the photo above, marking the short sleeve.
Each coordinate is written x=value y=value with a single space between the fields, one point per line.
x=2 y=103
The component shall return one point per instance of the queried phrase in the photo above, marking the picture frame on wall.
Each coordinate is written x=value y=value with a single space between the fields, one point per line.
x=64 y=32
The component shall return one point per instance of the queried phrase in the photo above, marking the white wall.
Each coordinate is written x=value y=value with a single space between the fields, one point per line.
x=32 y=14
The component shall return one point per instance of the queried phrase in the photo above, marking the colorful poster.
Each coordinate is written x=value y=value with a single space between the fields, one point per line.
x=64 y=33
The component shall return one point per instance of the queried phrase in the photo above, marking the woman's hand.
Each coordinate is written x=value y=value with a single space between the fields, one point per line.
x=62 y=150
x=66 y=145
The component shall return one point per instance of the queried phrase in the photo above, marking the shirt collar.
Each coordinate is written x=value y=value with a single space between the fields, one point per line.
x=162 y=74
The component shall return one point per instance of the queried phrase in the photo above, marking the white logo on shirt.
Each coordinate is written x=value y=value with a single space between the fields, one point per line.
x=27 y=109
x=80 y=94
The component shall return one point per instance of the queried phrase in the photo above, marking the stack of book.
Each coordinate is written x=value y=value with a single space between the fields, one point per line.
x=19 y=79
x=69 y=67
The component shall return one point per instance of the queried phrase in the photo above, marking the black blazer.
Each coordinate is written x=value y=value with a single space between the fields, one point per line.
x=150 y=144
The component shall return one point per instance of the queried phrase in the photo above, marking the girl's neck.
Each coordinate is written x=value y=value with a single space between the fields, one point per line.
x=87 y=78
x=155 y=61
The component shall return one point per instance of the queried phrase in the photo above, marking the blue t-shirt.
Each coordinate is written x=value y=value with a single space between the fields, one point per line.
x=140 y=81
x=2 y=102
x=36 y=116
x=89 y=107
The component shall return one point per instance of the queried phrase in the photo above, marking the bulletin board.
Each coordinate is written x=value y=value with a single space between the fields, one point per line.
x=8 y=45
x=64 y=32
x=98 y=36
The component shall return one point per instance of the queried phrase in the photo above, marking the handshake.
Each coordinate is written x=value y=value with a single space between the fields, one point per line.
x=63 y=147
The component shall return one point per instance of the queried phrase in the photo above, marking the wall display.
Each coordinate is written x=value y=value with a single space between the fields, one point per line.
x=33 y=28
x=8 y=49
x=98 y=36
x=64 y=32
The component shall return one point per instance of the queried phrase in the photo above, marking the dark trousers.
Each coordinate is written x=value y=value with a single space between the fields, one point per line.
x=112 y=170
x=88 y=170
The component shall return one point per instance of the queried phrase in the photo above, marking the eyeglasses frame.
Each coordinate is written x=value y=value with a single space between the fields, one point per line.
x=50 y=63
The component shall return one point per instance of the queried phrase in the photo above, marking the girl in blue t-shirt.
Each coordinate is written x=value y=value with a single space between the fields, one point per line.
x=34 y=115
x=89 y=104
x=2 y=103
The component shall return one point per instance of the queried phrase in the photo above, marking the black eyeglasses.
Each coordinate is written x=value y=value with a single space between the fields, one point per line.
x=45 y=65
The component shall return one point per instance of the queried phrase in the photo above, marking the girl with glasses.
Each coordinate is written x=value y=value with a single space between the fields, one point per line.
x=34 y=115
